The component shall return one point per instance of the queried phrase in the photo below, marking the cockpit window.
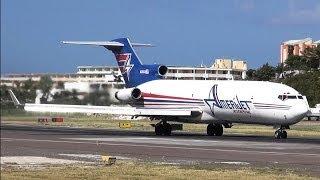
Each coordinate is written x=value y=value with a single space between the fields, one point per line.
x=284 y=97
x=292 y=97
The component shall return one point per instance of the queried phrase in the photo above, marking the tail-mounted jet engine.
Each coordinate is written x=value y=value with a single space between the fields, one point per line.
x=129 y=94
x=162 y=70
x=153 y=71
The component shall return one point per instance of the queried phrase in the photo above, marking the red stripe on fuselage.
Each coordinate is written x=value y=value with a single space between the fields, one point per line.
x=169 y=97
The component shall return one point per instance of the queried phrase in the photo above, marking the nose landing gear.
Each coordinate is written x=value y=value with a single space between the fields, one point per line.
x=281 y=133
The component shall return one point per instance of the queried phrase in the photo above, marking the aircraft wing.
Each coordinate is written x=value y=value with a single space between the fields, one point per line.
x=115 y=110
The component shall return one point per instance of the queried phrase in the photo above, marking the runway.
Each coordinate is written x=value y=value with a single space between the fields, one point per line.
x=74 y=143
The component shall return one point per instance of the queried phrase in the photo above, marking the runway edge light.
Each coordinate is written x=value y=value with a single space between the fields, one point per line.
x=108 y=160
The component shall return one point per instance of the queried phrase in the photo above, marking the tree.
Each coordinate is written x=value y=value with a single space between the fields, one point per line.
x=28 y=89
x=98 y=98
x=307 y=84
x=60 y=85
x=45 y=84
x=296 y=63
x=66 y=97
x=17 y=84
x=5 y=99
x=279 y=68
x=250 y=74
x=312 y=56
x=25 y=92
x=265 y=73
x=28 y=84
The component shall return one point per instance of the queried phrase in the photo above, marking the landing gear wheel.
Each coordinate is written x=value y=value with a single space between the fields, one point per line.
x=280 y=134
x=284 y=135
x=277 y=134
x=210 y=129
x=218 y=130
x=214 y=129
x=167 y=129
x=163 y=128
x=158 y=129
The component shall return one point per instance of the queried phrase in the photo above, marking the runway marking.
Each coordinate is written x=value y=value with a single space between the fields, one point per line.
x=35 y=160
x=92 y=156
x=198 y=143
x=233 y=162
x=166 y=147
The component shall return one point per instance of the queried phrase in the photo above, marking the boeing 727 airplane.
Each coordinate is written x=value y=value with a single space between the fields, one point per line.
x=218 y=103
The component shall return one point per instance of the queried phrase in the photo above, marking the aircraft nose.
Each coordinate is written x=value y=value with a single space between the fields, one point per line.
x=299 y=111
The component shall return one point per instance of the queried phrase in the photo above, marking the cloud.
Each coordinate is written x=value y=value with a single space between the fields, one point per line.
x=297 y=16
x=245 y=5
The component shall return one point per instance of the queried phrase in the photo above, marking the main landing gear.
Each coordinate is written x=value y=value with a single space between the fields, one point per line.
x=281 y=133
x=163 y=128
x=214 y=129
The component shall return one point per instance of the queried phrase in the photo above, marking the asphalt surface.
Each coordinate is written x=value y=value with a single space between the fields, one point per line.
x=75 y=143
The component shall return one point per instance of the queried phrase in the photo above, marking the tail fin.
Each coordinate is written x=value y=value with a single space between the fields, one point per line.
x=132 y=70
x=127 y=59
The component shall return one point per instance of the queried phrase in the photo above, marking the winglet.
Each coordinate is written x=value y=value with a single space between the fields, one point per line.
x=14 y=98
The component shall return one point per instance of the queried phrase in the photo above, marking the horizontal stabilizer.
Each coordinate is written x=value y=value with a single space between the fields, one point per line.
x=97 y=43
x=141 y=45
x=106 y=43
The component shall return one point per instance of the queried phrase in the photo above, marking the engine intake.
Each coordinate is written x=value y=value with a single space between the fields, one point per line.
x=162 y=70
x=129 y=94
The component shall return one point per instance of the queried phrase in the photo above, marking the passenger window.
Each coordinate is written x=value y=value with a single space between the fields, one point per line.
x=300 y=97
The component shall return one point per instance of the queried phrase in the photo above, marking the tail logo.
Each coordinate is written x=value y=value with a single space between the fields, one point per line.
x=124 y=62
x=123 y=57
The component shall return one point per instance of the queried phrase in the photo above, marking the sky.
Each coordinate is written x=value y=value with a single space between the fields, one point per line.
x=185 y=33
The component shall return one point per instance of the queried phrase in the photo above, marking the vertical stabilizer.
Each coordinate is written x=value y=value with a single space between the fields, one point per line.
x=127 y=59
x=133 y=71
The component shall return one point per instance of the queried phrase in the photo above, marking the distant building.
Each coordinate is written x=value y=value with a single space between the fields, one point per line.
x=221 y=69
x=93 y=78
x=86 y=79
x=97 y=73
x=296 y=47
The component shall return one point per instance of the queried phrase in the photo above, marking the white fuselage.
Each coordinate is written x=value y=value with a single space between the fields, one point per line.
x=252 y=102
